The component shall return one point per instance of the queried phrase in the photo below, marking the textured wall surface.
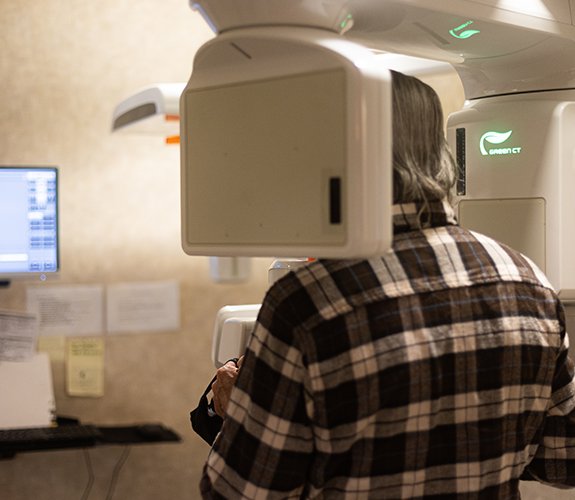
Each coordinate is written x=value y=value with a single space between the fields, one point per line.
x=64 y=66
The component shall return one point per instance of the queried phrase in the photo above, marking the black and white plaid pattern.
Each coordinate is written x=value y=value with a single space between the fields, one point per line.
x=439 y=370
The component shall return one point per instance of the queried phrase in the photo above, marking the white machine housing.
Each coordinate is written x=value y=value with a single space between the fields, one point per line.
x=151 y=110
x=513 y=141
x=232 y=328
x=283 y=119
x=286 y=147
x=516 y=155
x=496 y=46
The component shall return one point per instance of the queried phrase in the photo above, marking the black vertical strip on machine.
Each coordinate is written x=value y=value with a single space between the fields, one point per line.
x=460 y=159
x=335 y=200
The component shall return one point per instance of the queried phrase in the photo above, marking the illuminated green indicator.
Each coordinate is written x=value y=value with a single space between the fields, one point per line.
x=347 y=21
x=492 y=137
x=462 y=33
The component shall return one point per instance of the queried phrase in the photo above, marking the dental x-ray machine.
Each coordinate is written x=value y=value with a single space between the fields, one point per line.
x=286 y=125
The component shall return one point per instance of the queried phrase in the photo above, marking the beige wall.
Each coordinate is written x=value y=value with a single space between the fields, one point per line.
x=64 y=66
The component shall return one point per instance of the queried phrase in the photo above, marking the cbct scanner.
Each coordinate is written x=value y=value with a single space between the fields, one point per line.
x=286 y=125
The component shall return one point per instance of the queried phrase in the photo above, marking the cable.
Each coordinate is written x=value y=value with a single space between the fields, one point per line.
x=116 y=473
x=90 y=482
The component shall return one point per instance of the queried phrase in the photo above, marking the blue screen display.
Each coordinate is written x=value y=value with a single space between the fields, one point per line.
x=28 y=220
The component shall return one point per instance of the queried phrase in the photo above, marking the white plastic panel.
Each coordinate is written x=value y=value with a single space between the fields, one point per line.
x=223 y=15
x=231 y=331
x=545 y=9
x=343 y=15
x=528 y=153
x=272 y=146
x=519 y=223
x=495 y=51
x=148 y=110
x=234 y=339
x=507 y=46
x=281 y=153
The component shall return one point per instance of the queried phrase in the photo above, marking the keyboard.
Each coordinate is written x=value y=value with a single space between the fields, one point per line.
x=42 y=438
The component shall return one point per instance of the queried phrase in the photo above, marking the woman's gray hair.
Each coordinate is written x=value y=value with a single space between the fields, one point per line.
x=423 y=167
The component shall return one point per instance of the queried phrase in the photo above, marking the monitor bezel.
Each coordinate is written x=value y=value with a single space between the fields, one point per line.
x=7 y=277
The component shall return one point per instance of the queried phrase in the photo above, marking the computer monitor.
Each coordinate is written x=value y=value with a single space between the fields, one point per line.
x=29 y=235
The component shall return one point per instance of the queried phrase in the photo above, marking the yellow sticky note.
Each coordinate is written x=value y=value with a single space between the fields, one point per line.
x=85 y=367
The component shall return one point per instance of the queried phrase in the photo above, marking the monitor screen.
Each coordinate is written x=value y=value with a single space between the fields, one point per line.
x=29 y=234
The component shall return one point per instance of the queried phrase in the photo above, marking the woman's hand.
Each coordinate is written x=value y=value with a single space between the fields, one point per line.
x=222 y=388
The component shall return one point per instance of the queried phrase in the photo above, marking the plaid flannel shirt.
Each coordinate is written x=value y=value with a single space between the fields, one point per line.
x=439 y=370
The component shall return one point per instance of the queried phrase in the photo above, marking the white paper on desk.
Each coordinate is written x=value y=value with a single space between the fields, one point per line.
x=18 y=335
x=143 y=307
x=71 y=310
x=26 y=393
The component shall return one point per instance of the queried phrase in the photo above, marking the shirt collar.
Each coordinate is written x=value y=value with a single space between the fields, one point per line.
x=416 y=216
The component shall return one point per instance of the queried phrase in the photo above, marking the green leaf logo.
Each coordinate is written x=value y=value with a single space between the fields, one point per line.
x=462 y=35
x=493 y=138
x=465 y=34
